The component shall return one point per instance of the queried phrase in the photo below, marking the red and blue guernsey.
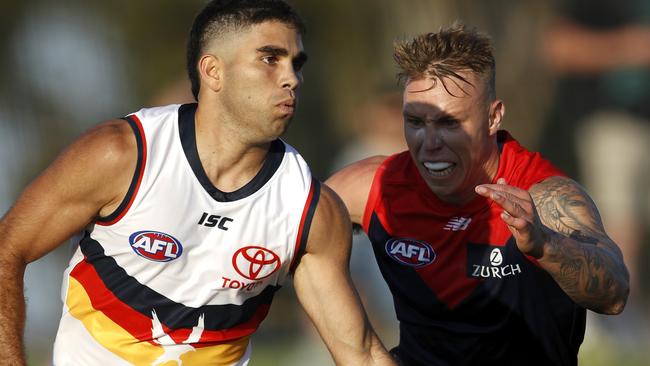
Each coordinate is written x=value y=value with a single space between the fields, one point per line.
x=463 y=292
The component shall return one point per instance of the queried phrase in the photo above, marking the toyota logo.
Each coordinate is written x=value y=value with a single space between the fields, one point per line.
x=255 y=263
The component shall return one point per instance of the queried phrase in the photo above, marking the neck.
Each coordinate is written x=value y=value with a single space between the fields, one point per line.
x=228 y=158
x=491 y=166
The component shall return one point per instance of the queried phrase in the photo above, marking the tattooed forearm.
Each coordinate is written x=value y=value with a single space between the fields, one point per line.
x=579 y=236
x=588 y=272
x=565 y=207
x=586 y=263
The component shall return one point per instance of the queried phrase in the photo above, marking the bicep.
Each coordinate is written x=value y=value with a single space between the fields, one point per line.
x=321 y=279
x=86 y=177
x=329 y=242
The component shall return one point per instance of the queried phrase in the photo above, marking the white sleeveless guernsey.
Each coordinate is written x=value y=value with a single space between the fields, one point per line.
x=182 y=271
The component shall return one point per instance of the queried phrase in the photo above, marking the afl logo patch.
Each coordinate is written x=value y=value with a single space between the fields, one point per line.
x=255 y=263
x=155 y=246
x=410 y=252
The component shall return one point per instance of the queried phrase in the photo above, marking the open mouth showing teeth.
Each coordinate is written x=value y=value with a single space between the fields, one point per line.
x=439 y=168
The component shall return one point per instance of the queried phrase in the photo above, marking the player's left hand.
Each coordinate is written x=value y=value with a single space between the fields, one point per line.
x=520 y=214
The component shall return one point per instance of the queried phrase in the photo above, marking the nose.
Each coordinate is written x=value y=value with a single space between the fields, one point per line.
x=432 y=138
x=291 y=79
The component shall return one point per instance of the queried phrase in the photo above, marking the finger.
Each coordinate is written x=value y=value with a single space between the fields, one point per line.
x=482 y=190
x=495 y=194
x=518 y=227
x=501 y=181
x=514 y=222
x=506 y=189
x=510 y=204
x=503 y=187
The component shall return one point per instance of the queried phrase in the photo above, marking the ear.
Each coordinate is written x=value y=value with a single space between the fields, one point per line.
x=210 y=72
x=496 y=112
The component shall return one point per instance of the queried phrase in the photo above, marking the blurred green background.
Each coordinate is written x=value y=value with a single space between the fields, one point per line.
x=69 y=64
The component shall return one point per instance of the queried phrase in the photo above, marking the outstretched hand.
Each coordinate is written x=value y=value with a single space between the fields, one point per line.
x=520 y=214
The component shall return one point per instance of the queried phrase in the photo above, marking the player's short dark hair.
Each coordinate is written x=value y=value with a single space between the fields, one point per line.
x=221 y=16
x=446 y=53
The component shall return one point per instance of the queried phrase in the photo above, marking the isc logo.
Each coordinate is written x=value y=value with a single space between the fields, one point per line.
x=215 y=220
x=155 y=246
x=410 y=252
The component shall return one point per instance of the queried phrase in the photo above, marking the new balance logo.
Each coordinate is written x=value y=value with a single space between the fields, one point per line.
x=458 y=223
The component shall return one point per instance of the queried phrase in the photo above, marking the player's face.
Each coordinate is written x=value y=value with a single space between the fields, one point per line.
x=261 y=79
x=451 y=134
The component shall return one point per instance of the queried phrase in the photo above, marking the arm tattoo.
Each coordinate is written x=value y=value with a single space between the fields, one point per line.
x=579 y=236
x=582 y=259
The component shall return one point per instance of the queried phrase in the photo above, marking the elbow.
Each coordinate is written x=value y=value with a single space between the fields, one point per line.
x=619 y=304
x=616 y=305
x=614 y=308
x=617 y=294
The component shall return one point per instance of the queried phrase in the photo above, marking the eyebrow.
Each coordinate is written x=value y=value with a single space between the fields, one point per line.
x=409 y=114
x=442 y=116
x=300 y=58
x=273 y=50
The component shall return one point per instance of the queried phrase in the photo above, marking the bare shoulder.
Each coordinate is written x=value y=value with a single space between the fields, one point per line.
x=111 y=148
x=565 y=206
x=88 y=178
x=362 y=169
x=110 y=142
x=104 y=158
x=353 y=183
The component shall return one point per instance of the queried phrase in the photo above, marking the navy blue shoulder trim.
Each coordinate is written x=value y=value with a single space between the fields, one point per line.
x=305 y=222
x=137 y=175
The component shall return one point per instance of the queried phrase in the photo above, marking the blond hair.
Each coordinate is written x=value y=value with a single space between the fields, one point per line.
x=445 y=54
